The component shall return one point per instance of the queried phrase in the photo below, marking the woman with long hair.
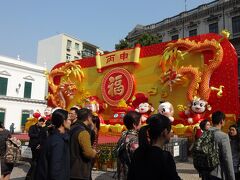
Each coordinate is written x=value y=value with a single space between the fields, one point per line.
x=235 y=147
x=54 y=161
x=150 y=161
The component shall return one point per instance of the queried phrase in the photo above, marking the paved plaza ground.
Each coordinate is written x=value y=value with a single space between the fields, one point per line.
x=185 y=170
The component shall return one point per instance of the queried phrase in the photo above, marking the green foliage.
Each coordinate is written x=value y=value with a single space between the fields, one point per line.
x=123 y=44
x=145 y=40
x=105 y=155
x=148 y=39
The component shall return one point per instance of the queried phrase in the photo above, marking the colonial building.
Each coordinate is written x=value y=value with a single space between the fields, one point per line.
x=22 y=91
x=212 y=17
x=62 y=48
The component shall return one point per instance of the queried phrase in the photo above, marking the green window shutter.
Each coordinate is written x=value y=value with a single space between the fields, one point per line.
x=2 y=115
x=27 y=90
x=3 y=86
x=25 y=115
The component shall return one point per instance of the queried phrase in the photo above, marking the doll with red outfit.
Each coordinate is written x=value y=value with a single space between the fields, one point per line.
x=37 y=114
x=141 y=105
x=47 y=113
x=196 y=112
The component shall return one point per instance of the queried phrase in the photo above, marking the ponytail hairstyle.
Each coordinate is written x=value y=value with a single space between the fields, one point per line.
x=157 y=124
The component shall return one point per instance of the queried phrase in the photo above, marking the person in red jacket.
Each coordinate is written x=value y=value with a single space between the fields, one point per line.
x=198 y=130
x=203 y=126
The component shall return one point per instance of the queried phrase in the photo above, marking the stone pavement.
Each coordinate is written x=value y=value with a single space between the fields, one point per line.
x=185 y=170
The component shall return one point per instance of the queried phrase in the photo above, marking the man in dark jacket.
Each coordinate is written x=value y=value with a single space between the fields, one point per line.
x=81 y=151
x=34 y=143
x=34 y=134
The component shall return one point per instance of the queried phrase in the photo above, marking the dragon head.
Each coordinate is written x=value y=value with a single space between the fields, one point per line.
x=69 y=89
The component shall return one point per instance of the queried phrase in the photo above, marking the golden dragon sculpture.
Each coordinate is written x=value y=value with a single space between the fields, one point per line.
x=61 y=94
x=199 y=85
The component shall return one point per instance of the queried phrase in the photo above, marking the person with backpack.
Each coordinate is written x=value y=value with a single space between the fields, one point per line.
x=203 y=126
x=198 y=131
x=128 y=142
x=151 y=161
x=235 y=147
x=6 y=168
x=212 y=155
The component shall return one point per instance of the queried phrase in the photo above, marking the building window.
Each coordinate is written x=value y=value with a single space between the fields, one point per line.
x=76 y=57
x=193 y=32
x=2 y=115
x=76 y=46
x=88 y=53
x=27 y=90
x=3 y=86
x=175 y=37
x=25 y=115
x=69 y=44
x=213 y=28
x=236 y=25
x=68 y=56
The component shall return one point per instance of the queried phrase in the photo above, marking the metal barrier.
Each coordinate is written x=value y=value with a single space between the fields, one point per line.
x=178 y=147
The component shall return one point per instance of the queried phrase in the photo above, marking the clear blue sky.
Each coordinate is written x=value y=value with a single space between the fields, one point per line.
x=100 y=22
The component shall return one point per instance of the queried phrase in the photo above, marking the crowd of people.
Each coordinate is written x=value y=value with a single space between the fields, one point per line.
x=66 y=147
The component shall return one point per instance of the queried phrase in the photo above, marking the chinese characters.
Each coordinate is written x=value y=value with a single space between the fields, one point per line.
x=117 y=57
x=115 y=86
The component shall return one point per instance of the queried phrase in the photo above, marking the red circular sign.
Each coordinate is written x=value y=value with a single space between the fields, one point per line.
x=117 y=84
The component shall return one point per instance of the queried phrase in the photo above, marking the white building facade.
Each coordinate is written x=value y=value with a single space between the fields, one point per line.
x=212 y=17
x=62 y=48
x=22 y=91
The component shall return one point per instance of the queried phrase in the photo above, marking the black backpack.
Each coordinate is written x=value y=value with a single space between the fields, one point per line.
x=205 y=153
x=2 y=145
x=3 y=138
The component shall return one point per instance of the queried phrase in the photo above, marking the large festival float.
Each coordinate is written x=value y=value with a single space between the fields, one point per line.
x=186 y=80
